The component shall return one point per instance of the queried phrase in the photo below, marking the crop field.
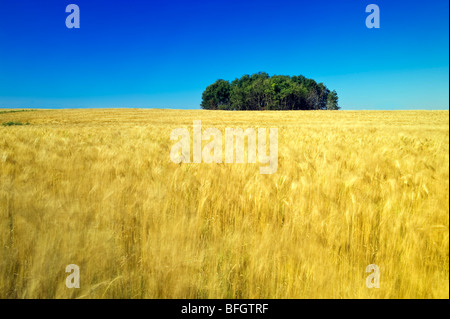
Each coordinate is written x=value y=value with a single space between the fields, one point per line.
x=97 y=188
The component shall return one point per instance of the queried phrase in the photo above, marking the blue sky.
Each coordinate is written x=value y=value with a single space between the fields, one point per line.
x=163 y=54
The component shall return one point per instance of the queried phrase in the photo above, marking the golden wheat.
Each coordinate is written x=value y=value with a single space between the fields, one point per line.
x=96 y=188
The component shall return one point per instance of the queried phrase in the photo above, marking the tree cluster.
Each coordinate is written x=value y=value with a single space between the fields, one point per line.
x=260 y=91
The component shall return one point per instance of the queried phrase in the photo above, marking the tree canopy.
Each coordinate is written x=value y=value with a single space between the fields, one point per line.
x=260 y=91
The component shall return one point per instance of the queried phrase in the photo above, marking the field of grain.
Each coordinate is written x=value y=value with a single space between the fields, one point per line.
x=96 y=188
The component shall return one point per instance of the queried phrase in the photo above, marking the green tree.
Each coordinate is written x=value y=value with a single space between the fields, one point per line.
x=260 y=91
x=217 y=96
x=332 y=101
x=239 y=90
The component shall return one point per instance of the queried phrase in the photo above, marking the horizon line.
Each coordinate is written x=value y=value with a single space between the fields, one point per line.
x=200 y=109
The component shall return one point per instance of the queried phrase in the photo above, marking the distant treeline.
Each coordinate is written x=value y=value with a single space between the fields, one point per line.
x=14 y=111
x=260 y=91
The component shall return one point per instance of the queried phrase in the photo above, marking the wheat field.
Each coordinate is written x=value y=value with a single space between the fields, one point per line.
x=96 y=188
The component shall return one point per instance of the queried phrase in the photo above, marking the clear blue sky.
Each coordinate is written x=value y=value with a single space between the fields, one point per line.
x=145 y=53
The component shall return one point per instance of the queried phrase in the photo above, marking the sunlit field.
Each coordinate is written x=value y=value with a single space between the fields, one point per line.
x=97 y=188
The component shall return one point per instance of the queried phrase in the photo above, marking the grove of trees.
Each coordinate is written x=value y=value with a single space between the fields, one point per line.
x=260 y=91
